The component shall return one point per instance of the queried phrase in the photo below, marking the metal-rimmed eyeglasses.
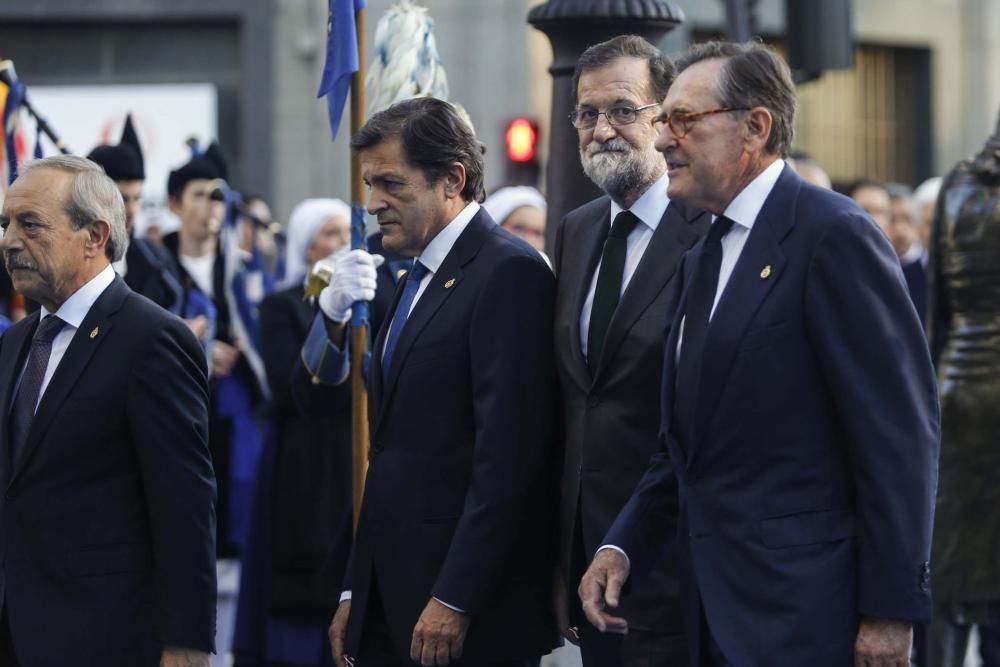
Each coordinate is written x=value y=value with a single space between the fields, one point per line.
x=585 y=118
x=680 y=122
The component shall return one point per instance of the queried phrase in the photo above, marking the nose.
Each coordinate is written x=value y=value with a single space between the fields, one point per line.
x=604 y=130
x=665 y=139
x=8 y=239
x=375 y=203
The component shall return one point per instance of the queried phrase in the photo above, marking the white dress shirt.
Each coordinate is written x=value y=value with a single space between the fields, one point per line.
x=743 y=211
x=649 y=208
x=72 y=312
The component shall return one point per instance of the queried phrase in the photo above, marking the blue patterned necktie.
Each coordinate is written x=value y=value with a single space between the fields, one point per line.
x=697 y=313
x=413 y=279
x=23 y=411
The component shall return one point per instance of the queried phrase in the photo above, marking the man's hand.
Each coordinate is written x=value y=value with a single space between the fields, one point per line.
x=338 y=627
x=883 y=643
x=561 y=606
x=601 y=588
x=180 y=657
x=354 y=279
x=198 y=326
x=224 y=357
x=439 y=635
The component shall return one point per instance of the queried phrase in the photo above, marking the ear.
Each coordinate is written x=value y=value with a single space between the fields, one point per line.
x=454 y=180
x=758 y=129
x=98 y=234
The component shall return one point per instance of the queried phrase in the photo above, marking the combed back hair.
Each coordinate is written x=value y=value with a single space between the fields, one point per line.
x=433 y=136
x=92 y=196
x=753 y=76
x=661 y=70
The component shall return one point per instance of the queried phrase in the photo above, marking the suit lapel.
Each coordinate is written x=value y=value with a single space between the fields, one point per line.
x=747 y=288
x=591 y=245
x=88 y=337
x=673 y=237
x=446 y=281
x=16 y=343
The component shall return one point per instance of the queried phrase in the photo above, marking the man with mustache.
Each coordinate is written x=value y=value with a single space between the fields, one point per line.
x=616 y=258
x=451 y=561
x=107 y=521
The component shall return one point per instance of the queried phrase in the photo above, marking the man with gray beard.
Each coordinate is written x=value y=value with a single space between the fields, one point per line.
x=615 y=259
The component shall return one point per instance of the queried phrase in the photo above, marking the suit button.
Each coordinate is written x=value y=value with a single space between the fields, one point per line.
x=594 y=401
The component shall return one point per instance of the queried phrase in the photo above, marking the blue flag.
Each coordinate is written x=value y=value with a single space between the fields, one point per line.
x=341 y=58
x=15 y=97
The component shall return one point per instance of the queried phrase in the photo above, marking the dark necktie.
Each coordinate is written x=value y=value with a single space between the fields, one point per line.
x=701 y=296
x=413 y=278
x=23 y=411
x=609 y=285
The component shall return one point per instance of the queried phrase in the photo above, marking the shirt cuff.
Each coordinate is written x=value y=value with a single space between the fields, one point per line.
x=345 y=596
x=460 y=611
x=628 y=563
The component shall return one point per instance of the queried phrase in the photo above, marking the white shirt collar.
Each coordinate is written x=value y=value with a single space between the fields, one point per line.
x=745 y=208
x=76 y=307
x=433 y=255
x=651 y=206
x=915 y=252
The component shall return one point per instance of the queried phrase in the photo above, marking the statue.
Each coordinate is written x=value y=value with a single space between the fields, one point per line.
x=964 y=334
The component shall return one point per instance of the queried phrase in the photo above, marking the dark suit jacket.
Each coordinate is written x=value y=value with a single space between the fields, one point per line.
x=916 y=282
x=807 y=490
x=612 y=421
x=108 y=521
x=457 y=499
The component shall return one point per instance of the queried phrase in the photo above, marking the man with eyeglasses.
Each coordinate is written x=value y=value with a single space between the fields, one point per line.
x=799 y=408
x=616 y=258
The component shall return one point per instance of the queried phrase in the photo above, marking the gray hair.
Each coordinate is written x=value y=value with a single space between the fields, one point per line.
x=752 y=76
x=92 y=196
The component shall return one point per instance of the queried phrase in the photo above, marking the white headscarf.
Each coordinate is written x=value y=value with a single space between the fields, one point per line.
x=505 y=201
x=308 y=218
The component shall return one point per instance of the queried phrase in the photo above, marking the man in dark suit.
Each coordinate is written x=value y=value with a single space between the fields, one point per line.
x=799 y=406
x=451 y=561
x=107 y=522
x=616 y=258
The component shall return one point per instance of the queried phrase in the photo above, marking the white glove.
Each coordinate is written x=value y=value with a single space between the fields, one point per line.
x=353 y=280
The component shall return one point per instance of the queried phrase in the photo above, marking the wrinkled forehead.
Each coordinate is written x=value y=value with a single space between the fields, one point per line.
x=39 y=188
x=625 y=80
x=696 y=88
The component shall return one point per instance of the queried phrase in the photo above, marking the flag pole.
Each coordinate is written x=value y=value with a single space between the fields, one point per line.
x=359 y=318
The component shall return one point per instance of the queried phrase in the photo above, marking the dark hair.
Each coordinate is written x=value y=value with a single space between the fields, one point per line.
x=661 y=70
x=753 y=76
x=433 y=136
x=866 y=183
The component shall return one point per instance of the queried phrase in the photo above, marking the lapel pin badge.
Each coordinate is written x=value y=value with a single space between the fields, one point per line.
x=93 y=334
x=400 y=274
x=450 y=283
x=765 y=273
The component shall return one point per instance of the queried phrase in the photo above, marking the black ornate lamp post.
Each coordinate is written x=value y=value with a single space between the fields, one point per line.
x=572 y=26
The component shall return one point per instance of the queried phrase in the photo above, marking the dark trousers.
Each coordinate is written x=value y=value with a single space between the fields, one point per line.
x=377 y=647
x=7 y=656
x=639 y=648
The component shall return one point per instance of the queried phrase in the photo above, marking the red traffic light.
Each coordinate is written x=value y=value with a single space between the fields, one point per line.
x=521 y=136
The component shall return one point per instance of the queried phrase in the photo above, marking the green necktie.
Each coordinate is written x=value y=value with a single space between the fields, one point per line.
x=609 y=285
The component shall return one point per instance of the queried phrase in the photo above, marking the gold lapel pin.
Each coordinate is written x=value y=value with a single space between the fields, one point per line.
x=765 y=273
x=400 y=274
x=451 y=281
x=93 y=334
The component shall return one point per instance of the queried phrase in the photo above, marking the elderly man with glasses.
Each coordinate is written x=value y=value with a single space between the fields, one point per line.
x=616 y=258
